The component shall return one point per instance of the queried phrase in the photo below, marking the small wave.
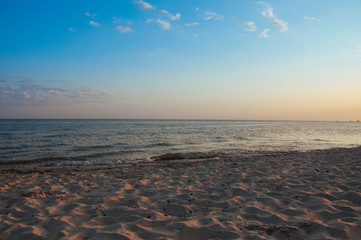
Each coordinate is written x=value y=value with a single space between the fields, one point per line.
x=218 y=139
x=6 y=134
x=16 y=148
x=241 y=138
x=181 y=156
x=159 y=145
x=105 y=154
x=78 y=164
x=32 y=161
x=319 y=140
x=89 y=148
x=63 y=160
x=56 y=136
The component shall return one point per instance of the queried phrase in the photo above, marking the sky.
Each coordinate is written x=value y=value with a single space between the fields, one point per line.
x=181 y=59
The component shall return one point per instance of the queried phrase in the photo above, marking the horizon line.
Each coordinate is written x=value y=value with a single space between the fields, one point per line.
x=184 y=119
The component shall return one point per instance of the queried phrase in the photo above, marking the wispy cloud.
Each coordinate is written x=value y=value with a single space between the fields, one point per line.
x=268 y=13
x=281 y=25
x=122 y=29
x=154 y=53
x=16 y=77
x=248 y=26
x=144 y=5
x=191 y=24
x=208 y=15
x=264 y=33
x=170 y=16
x=71 y=29
x=313 y=19
x=91 y=22
x=123 y=21
x=24 y=91
x=95 y=24
x=275 y=21
x=163 y=24
x=92 y=15
x=116 y=20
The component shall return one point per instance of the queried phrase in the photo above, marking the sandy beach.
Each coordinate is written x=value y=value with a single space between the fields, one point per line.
x=295 y=195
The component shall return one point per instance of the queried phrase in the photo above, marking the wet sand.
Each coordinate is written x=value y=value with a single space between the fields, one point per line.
x=297 y=195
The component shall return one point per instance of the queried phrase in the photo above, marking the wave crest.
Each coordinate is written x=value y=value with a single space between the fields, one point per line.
x=191 y=155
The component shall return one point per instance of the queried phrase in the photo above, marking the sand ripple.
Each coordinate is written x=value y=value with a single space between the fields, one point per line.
x=310 y=195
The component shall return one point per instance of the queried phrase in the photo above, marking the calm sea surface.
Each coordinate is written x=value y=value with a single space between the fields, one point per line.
x=87 y=142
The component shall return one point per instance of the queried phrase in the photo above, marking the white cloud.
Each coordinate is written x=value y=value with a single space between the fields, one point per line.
x=264 y=33
x=196 y=9
x=191 y=24
x=55 y=92
x=281 y=25
x=208 y=15
x=95 y=24
x=23 y=91
x=122 y=29
x=26 y=95
x=87 y=89
x=268 y=13
x=154 y=53
x=163 y=24
x=170 y=16
x=116 y=20
x=275 y=21
x=4 y=91
x=144 y=5
x=314 y=19
x=92 y=15
x=71 y=29
x=248 y=26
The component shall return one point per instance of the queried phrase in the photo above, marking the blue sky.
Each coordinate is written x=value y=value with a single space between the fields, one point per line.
x=229 y=59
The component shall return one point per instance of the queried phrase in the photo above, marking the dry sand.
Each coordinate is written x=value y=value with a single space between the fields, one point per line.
x=311 y=195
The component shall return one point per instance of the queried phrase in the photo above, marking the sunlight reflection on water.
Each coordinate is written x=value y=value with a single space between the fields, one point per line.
x=97 y=141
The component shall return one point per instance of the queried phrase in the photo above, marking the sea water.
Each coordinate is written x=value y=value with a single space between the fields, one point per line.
x=91 y=142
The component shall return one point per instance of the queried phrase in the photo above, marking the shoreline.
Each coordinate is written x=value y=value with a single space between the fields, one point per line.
x=65 y=162
x=292 y=195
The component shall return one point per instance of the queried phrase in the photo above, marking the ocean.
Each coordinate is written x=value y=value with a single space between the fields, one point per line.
x=97 y=142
